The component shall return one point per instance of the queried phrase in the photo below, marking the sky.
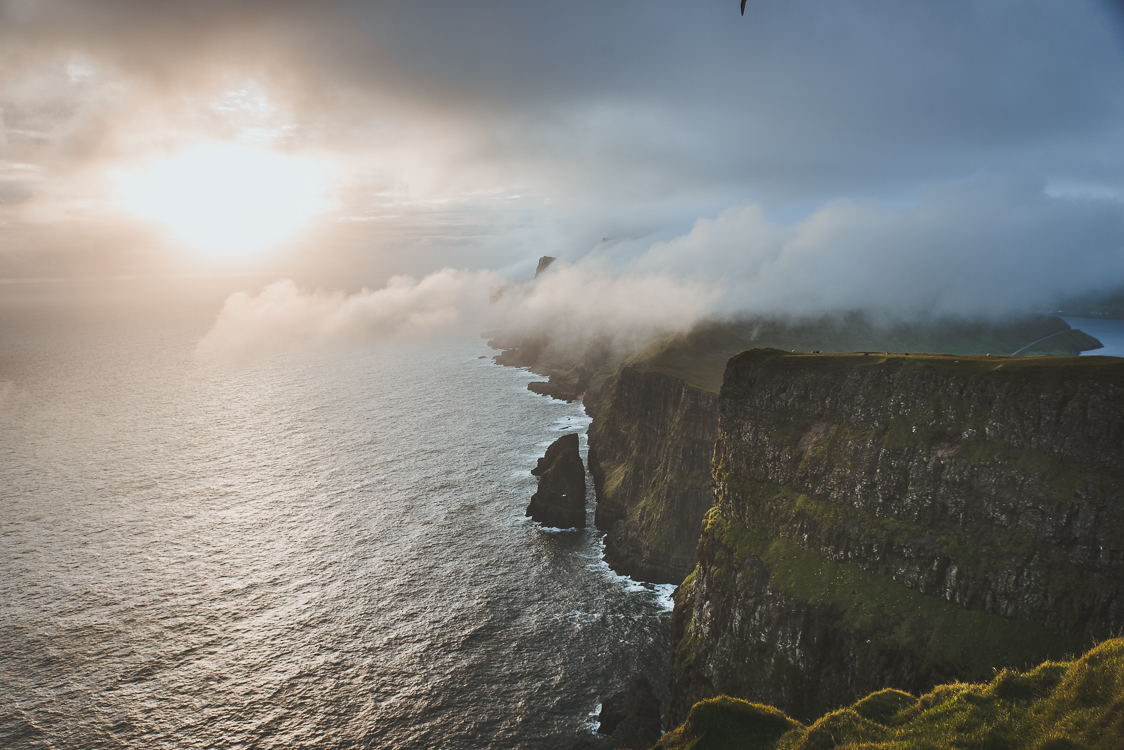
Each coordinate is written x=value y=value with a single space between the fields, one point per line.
x=681 y=160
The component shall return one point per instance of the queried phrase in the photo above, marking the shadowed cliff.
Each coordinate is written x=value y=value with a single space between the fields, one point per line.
x=898 y=521
x=656 y=418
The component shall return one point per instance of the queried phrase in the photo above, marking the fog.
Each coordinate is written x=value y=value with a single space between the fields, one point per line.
x=980 y=248
x=906 y=158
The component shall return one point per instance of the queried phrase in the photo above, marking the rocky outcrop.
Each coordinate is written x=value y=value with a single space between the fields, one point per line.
x=630 y=718
x=544 y=263
x=650 y=447
x=573 y=368
x=895 y=521
x=560 y=500
x=632 y=715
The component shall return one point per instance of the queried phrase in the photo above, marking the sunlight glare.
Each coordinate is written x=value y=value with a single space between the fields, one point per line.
x=228 y=201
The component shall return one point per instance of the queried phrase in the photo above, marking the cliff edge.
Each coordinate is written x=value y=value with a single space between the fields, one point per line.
x=1071 y=705
x=650 y=447
x=900 y=521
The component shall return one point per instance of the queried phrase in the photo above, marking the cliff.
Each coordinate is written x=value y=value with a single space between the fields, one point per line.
x=1070 y=705
x=899 y=521
x=560 y=500
x=656 y=420
x=651 y=442
x=574 y=368
x=651 y=502
x=655 y=412
x=629 y=718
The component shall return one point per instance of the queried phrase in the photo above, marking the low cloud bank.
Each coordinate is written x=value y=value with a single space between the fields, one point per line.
x=283 y=316
x=986 y=248
x=575 y=303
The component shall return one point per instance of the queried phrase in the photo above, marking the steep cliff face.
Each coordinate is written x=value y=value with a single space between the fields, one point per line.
x=650 y=447
x=897 y=521
x=655 y=416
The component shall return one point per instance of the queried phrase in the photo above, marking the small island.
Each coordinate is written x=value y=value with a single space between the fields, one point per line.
x=560 y=501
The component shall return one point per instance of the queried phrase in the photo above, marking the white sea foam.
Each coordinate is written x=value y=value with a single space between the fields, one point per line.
x=666 y=595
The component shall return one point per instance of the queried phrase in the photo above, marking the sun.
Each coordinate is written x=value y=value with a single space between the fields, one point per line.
x=226 y=200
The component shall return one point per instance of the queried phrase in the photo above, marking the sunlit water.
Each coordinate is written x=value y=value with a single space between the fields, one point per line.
x=302 y=551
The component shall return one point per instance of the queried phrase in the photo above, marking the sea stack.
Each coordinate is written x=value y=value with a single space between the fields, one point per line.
x=560 y=501
x=544 y=263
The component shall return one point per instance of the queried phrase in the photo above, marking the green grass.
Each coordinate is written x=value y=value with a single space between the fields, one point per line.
x=699 y=357
x=723 y=723
x=856 y=333
x=1067 y=705
x=888 y=612
x=1061 y=343
x=1045 y=370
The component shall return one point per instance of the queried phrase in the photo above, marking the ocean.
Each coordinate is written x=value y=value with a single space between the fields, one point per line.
x=1109 y=332
x=307 y=549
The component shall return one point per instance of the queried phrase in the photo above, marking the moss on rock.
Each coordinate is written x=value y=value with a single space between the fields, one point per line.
x=1054 y=706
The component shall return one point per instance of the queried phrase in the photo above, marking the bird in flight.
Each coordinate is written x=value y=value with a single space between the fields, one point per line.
x=743 y=7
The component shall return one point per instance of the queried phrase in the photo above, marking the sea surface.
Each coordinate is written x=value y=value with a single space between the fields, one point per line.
x=307 y=549
x=1108 y=331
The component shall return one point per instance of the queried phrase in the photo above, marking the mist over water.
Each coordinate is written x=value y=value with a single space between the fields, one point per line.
x=304 y=550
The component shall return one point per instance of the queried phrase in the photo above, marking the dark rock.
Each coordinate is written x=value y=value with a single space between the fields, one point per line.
x=562 y=386
x=573 y=366
x=630 y=718
x=518 y=353
x=544 y=263
x=560 y=501
x=655 y=435
x=554 y=453
x=885 y=521
x=633 y=711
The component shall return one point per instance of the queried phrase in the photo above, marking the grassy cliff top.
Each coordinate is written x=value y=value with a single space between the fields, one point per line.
x=1045 y=369
x=699 y=356
x=1067 y=705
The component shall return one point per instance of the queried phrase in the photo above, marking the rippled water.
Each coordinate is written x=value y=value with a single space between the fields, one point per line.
x=320 y=550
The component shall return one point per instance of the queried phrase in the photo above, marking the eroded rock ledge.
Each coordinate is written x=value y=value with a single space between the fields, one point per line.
x=560 y=501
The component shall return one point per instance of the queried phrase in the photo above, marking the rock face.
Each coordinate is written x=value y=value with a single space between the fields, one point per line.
x=632 y=715
x=629 y=718
x=896 y=521
x=560 y=500
x=650 y=448
x=544 y=263
x=574 y=369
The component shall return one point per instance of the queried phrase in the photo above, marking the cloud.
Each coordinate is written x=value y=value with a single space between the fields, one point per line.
x=592 y=299
x=283 y=316
x=505 y=130
x=635 y=98
x=989 y=247
x=574 y=303
x=986 y=246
